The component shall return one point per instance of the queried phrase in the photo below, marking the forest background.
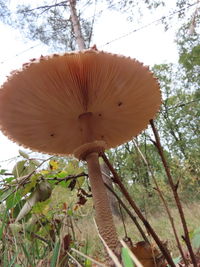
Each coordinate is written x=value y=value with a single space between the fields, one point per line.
x=137 y=162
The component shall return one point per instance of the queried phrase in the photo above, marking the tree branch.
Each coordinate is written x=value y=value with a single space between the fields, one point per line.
x=175 y=193
x=163 y=249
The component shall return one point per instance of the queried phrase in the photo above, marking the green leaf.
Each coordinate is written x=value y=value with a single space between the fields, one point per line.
x=127 y=261
x=62 y=174
x=23 y=154
x=18 y=207
x=23 y=167
x=19 y=168
x=13 y=199
x=55 y=254
x=73 y=168
x=5 y=194
x=9 y=179
x=35 y=162
x=59 y=196
x=41 y=207
x=2 y=171
x=31 y=185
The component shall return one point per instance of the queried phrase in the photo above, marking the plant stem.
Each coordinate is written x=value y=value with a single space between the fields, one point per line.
x=175 y=193
x=163 y=249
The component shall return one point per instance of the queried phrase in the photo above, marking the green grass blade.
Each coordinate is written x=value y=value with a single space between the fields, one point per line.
x=55 y=254
x=12 y=261
x=27 y=255
x=5 y=257
x=127 y=261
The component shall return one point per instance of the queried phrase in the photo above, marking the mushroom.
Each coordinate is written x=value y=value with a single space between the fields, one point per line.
x=80 y=104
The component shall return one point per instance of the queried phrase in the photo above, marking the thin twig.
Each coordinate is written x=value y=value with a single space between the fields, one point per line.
x=78 y=264
x=87 y=257
x=174 y=188
x=133 y=218
x=39 y=237
x=163 y=200
x=163 y=249
x=122 y=218
x=23 y=180
x=67 y=178
x=46 y=7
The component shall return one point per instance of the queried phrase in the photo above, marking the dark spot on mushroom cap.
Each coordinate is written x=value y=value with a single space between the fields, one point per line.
x=99 y=114
x=119 y=103
x=102 y=136
x=52 y=134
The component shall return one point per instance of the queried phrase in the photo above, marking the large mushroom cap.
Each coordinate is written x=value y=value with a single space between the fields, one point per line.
x=41 y=105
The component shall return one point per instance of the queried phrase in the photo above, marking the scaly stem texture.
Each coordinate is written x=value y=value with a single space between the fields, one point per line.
x=133 y=218
x=117 y=180
x=104 y=218
x=175 y=193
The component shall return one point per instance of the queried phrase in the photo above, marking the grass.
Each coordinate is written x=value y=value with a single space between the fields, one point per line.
x=158 y=220
x=20 y=250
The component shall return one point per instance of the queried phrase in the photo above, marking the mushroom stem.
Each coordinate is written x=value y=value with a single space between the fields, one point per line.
x=104 y=218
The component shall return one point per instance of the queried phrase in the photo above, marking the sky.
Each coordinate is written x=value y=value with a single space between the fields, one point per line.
x=150 y=45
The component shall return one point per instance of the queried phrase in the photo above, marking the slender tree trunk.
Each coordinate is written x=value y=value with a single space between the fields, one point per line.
x=76 y=25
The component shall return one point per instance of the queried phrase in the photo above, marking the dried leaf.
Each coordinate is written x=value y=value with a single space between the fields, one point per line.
x=82 y=200
x=146 y=254
x=72 y=184
x=84 y=193
x=67 y=241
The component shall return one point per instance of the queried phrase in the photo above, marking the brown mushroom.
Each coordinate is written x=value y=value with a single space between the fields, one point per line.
x=81 y=104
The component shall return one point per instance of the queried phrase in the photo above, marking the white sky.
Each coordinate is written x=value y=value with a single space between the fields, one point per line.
x=150 y=45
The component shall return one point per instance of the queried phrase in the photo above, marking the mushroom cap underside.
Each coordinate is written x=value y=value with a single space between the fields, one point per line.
x=41 y=105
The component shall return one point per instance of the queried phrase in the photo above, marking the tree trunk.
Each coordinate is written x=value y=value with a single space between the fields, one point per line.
x=76 y=25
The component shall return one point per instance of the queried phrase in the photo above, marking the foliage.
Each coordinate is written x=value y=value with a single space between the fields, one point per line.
x=51 y=216
x=48 y=22
x=47 y=230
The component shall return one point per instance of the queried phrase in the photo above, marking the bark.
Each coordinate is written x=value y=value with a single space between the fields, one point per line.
x=76 y=25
